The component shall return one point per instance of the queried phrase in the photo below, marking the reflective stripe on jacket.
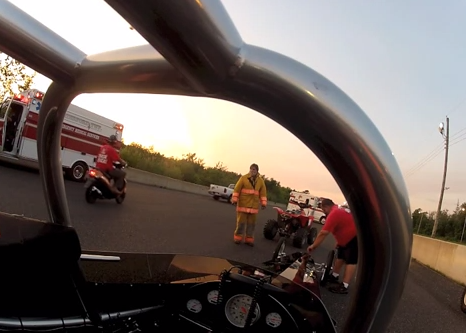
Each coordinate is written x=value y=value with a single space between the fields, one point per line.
x=249 y=195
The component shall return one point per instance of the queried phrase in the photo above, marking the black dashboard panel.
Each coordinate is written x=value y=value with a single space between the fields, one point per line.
x=201 y=305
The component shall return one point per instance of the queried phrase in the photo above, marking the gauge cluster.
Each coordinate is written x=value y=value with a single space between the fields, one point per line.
x=201 y=305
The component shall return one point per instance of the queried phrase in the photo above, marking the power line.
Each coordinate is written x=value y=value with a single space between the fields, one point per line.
x=456 y=108
x=426 y=159
x=458 y=141
x=435 y=152
x=413 y=171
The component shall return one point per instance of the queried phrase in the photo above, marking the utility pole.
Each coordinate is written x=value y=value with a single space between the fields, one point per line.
x=446 y=136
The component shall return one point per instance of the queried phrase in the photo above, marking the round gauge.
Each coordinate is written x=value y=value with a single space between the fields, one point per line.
x=212 y=296
x=194 y=305
x=237 y=308
x=273 y=319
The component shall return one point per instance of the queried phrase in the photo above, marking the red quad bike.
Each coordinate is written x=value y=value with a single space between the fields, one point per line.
x=291 y=223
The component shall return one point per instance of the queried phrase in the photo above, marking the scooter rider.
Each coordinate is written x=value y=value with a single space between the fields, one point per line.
x=105 y=159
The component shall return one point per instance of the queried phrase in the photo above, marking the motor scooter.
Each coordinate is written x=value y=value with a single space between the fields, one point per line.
x=99 y=185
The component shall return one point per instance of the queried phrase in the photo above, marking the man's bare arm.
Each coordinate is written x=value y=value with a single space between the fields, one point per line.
x=319 y=239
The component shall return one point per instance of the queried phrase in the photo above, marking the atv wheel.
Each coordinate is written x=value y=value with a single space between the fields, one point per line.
x=279 y=249
x=300 y=238
x=311 y=237
x=119 y=199
x=270 y=229
x=463 y=301
x=90 y=197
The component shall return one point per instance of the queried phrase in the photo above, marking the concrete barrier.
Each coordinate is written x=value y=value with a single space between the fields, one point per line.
x=446 y=258
x=149 y=178
x=153 y=179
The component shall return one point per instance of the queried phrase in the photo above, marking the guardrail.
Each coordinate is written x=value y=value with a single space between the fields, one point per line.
x=444 y=257
x=153 y=179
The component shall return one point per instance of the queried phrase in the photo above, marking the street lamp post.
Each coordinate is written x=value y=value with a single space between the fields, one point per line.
x=464 y=225
x=419 y=226
x=446 y=136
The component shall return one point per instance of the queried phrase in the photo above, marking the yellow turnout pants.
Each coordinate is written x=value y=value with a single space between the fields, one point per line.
x=248 y=221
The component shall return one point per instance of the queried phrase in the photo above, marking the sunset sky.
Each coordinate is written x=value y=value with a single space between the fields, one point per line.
x=403 y=63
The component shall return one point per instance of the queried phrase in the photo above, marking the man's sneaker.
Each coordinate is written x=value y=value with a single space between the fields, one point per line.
x=339 y=289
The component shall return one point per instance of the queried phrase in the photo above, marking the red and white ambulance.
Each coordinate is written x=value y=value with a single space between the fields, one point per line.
x=83 y=132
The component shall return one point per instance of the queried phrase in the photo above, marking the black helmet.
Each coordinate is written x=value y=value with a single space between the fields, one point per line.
x=112 y=139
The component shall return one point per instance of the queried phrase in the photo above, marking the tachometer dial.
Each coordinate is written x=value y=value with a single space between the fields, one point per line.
x=194 y=305
x=273 y=319
x=237 y=309
x=212 y=296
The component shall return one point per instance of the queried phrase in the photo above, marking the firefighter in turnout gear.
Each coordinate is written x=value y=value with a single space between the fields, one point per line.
x=249 y=193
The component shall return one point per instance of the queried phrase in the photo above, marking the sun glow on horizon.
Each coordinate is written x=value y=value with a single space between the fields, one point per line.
x=216 y=130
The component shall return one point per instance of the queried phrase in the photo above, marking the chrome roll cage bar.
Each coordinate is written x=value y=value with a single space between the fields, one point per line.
x=195 y=50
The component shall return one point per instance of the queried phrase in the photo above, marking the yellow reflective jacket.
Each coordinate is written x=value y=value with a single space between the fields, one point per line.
x=249 y=195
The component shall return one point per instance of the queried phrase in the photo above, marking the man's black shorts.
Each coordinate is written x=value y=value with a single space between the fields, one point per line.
x=349 y=252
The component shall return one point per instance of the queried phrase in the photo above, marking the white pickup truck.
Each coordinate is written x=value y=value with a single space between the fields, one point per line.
x=223 y=192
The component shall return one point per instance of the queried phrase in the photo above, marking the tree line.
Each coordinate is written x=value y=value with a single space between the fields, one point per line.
x=14 y=76
x=450 y=224
x=192 y=169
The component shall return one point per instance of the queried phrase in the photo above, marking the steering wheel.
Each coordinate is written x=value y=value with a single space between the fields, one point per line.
x=210 y=59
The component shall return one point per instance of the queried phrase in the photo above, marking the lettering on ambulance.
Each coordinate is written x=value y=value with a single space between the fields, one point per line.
x=71 y=142
x=82 y=132
x=67 y=129
x=83 y=122
x=81 y=141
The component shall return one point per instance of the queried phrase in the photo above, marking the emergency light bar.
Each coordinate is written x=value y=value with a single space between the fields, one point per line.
x=119 y=127
x=26 y=95
x=34 y=93
x=21 y=98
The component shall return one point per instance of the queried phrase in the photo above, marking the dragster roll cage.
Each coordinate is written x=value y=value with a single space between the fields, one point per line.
x=195 y=50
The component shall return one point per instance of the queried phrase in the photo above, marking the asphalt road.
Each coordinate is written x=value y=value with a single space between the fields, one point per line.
x=157 y=220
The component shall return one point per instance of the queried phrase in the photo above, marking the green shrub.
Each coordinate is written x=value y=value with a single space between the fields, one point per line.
x=450 y=225
x=192 y=169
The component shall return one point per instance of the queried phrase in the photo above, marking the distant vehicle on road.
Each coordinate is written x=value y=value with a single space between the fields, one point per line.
x=223 y=192
x=309 y=203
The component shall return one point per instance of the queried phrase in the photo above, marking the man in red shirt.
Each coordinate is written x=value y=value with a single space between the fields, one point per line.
x=105 y=159
x=341 y=224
